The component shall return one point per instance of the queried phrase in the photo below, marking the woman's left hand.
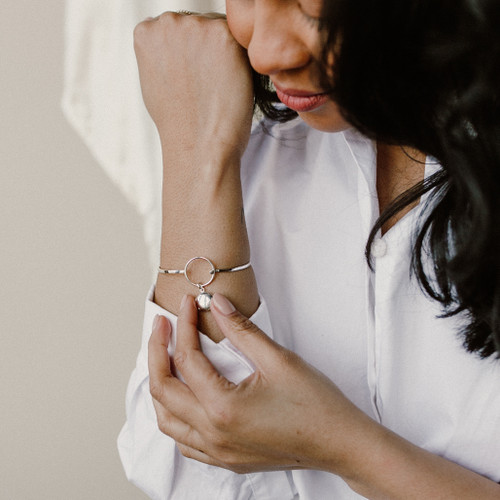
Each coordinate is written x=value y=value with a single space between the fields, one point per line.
x=286 y=415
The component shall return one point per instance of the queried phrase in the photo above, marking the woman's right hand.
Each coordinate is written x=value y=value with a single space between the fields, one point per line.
x=197 y=85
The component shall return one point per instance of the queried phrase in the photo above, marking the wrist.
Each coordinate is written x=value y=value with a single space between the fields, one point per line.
x=347 y=441
x=388 y=466
x=209 y=159
x=205 y=227
x=203 y=214
x=368 y=458
x=240 y=288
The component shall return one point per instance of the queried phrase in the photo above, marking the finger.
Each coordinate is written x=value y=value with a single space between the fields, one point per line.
x=165 y=388
x=243 y=334
x=215 y=15
x=187 y=326
x=239 y=463
x=199 y=374
x=196 y=454
x=187 y=13
x=158 y=359
x=179 y=430
x=209 y=15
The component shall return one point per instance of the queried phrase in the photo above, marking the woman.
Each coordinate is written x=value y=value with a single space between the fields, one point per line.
x=401 y=409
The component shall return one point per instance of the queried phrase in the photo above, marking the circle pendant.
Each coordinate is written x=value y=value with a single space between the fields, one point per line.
x=203 y=301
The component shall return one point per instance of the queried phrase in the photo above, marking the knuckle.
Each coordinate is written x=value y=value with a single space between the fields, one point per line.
x=165 y=426
x=145 y=30
x=185 y=451
x=155 y=389
x=221 y=417
x=220 y=444
x=285 y=356
x=242 y=324
x=179 y=359
x=140 y=32
x=232 y=462
x=168 y=17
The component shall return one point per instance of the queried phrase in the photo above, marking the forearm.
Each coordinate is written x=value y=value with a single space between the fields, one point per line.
x=387 y=466
x=203 y=216
x=197 y=86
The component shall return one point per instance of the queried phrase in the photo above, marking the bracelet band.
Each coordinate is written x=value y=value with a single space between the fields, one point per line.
x=204 y=298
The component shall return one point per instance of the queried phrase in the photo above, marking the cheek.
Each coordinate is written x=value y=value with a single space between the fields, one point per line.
x=240 y=22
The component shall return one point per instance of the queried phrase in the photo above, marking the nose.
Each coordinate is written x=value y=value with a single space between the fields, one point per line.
x=276 y=44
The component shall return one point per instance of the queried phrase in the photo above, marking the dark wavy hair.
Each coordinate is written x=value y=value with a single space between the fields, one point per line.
x=426 y=74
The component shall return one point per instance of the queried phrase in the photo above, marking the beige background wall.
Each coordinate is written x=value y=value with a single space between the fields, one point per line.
x=73 y=275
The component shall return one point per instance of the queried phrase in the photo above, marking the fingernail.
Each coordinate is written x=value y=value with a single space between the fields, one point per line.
x=183 y=301
x=156 y=321
x=222 y=304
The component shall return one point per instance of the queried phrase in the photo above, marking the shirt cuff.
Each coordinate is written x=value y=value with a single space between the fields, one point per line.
x=226 y=358
x=151 y=459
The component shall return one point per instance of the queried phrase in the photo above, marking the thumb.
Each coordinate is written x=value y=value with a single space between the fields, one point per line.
x=243 y=334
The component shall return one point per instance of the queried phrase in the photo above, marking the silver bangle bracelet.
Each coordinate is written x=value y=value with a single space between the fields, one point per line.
x=204 y=298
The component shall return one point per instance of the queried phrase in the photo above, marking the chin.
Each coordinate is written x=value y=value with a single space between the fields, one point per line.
x=325 y=125
x=325 y=119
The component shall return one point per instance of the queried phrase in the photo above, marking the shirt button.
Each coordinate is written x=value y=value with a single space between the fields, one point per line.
x=379 y=248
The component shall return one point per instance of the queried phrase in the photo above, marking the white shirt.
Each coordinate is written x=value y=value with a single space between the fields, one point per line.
x=310 y=201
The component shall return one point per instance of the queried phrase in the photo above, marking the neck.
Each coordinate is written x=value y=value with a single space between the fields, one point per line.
x=398 y=169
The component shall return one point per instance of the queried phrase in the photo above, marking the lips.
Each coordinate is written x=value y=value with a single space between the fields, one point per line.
x=301 y=101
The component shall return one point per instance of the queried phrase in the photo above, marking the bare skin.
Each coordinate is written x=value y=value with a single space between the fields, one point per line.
x=202 y=206
x=200 y=98
x=241 y=427
x=398 y=169
x=202 y=146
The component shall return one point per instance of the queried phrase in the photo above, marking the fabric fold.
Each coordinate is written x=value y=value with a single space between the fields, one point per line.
x=102 y=98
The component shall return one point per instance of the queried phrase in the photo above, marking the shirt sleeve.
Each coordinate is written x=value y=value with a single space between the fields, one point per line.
x=151 y=459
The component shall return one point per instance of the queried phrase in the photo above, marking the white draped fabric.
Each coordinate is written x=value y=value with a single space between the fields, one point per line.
x=102 y=98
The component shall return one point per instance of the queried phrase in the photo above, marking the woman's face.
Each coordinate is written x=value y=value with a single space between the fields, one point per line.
x=283 y=42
